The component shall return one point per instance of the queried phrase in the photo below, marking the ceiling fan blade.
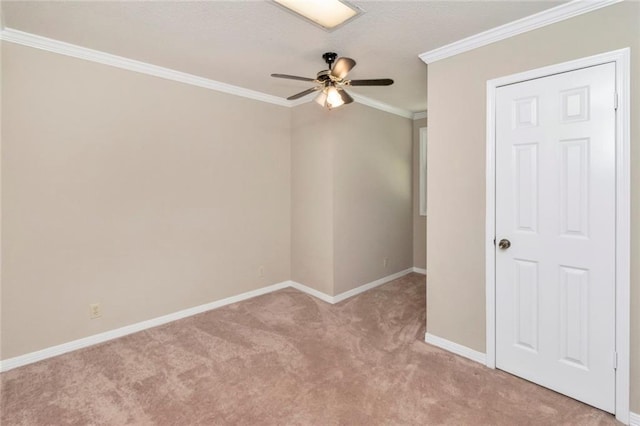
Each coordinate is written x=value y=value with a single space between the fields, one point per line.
x=292 y=77
x=304 y=93
x=372 y=82
x=342 y=67
x=346 y=98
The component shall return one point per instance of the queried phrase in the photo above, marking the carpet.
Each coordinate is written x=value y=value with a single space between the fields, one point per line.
x=284 y=358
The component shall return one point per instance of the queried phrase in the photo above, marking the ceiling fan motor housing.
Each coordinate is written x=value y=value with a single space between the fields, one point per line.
x=323 y=76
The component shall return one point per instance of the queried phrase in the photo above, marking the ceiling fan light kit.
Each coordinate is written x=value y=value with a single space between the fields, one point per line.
x=331 y=82
x=331 y=97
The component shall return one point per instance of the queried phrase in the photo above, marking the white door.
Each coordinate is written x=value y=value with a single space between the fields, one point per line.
x=555 y=204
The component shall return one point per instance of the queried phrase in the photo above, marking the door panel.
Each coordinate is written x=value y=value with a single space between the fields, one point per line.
x=555 y=202
x=526 y=304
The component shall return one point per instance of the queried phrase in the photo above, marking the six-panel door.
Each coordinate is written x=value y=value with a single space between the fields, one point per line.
x=555 y=203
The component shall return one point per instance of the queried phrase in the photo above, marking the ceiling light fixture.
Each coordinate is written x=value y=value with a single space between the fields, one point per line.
x=331 y=97
x=327 y=14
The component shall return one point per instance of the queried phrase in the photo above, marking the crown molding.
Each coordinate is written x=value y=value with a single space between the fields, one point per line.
x=75 y=51
x=361 y=100
x=381 y=106
x=62 y=48
x=419 y=115
x=303 y=100
x=529 y=23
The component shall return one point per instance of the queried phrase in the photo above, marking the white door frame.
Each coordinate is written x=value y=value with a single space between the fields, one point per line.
x=623 y=210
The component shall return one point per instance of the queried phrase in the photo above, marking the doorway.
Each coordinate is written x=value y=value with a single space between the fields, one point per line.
x=558 y=229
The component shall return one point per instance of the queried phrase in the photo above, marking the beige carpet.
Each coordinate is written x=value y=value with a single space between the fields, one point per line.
x=288 y=359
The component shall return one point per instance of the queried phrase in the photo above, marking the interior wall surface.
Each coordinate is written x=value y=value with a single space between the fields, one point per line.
x=456 y=164
x=144 y=195
x=419 y=221
x=372 y=175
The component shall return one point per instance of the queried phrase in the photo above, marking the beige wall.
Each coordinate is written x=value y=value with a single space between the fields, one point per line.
x=1 y=127
x=456 y=164
x=372 y=195
x=146 y=195
x=419 y=222
x=351 y=196
x=311 y=198
x=150 y=196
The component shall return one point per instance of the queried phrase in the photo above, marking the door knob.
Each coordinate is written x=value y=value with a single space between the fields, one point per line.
x=504 y=244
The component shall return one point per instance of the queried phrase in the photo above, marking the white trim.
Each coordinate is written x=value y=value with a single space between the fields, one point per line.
x=353 y=292
x=361 y=100
x=623 y=210
x=529 y=23
x=634 y=419
x=623 y=233
x=303 y=100
x=11 y=363
x=62 y=48
x=67 y=49
x=19 y=361
x=419 y=115
x=381 y=106
x=419 y=271
x=312 y=292
x=455 y=348
x=347 y=294
x=490 y=229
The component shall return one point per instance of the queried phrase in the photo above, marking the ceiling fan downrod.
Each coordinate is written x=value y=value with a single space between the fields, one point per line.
x=329 y=58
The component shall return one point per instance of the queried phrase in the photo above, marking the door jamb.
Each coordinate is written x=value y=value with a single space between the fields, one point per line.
x=623 y=211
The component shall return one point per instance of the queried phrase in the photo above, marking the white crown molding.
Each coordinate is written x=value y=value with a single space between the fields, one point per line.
x=68 y=49
x=455 y=348
x=364 y=101
x=381 y=106
x=529 y=23
x=29 y=358
x=634 y=419
x=62 y=48
x=303 y=100
x=419 y=115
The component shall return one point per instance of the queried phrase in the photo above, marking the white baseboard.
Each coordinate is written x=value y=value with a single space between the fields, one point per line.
x=312 y=292
x=634 y=419
x=456 y=348
x=19 y=361
x=419 y=270
x=347 y=294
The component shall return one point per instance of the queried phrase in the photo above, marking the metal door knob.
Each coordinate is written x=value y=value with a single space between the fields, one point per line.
x=504 y=244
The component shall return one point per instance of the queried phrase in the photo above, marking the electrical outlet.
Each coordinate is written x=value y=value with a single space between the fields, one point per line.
x=261 y=271
x=95 y=311
x=385 y=262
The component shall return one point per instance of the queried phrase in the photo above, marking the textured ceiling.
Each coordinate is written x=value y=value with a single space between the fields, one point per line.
x=242 y=42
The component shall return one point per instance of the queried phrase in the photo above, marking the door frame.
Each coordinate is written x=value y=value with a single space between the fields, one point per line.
x=623 y=211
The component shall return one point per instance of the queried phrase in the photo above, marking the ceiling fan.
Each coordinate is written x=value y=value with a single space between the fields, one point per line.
x=331 y=82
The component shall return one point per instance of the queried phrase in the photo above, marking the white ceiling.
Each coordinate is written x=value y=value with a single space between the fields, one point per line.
x=243 y=42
